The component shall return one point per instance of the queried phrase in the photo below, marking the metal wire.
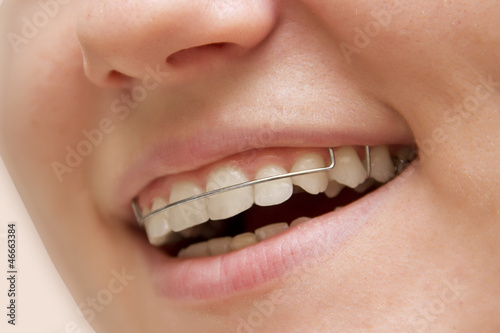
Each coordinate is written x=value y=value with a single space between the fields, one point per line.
x=141 y=219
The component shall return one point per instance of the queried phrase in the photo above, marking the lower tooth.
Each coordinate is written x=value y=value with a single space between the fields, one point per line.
x=218 y=246
x=243 y=240
x=271 y=230
x=299 y=220
x=195 y=250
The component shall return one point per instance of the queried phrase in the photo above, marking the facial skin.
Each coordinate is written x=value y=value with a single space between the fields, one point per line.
x=427 y=261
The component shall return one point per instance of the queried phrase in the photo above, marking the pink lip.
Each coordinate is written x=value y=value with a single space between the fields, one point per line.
x=226 y=275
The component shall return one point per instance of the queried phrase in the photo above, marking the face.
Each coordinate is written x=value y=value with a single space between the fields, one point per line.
x=108 y=102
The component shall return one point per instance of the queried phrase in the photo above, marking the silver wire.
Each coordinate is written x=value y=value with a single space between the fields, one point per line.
x=141 y=219
x=368 y=159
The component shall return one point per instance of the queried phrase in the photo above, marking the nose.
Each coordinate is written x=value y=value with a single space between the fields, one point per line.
x=120 y=39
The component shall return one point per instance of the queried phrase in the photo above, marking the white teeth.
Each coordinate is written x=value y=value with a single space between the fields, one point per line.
x=366 y=185
x=157 y=227
x=349 y=169
x=195 y=250
x=313 y=183
x=190 y=233
x=273 y=192
x=243 y=240
x=189 y=214
x=333 y=189
x=270 y=230
x=228 y=204
x=299 y=220
x=218 y=246
x=188 y=219
x=382 y=168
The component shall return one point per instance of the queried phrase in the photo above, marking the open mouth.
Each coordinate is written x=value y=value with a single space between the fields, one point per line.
x=240 y=218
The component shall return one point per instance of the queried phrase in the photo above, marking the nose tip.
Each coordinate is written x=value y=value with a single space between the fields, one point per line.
x=121 y=39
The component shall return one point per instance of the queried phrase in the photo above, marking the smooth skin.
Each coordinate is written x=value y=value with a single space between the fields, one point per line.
x=427 y=72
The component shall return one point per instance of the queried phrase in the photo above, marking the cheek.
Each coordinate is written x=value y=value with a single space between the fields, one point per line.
x=409 y=40
x=47 y=104
x=48 y=101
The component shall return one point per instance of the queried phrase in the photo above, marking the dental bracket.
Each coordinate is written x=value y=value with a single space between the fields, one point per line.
x=141 y=219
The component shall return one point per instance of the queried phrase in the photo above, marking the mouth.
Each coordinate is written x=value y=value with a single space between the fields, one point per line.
x=261 y=219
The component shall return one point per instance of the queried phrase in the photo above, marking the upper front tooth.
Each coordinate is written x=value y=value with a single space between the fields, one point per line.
x=272 y=192
x=348 y=169
x=382 y=168
x=187 y=214
x=313 y=183
x=364 y=186
x=228 y=204
x=157 y=226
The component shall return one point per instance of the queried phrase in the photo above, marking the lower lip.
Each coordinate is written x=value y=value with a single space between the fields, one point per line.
x=226 y=275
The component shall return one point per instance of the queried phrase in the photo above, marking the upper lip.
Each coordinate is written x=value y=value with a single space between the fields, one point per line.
x=172 y=155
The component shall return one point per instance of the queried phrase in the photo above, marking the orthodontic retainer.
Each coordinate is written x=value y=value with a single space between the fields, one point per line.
x=141 y=219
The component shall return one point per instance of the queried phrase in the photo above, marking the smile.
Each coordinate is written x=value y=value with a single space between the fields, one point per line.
x=258 y=216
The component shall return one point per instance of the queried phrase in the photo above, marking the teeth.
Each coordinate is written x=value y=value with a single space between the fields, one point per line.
x=228 y=204
x=270 y=230
x=403 y=158
x=189 y=219
x=274 y=192
x=195 y=250
x=157 y=227
x=299 y=220
x=405 y=153
x=366 y=185
x=219 y=246
x=312 y=183
x=382 y=168
x=243 y=240
x=349 y=169
x=189 y=214
x=333 y=189
x=190 y=233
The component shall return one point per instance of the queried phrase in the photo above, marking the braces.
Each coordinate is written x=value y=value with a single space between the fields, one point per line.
x=141 y=219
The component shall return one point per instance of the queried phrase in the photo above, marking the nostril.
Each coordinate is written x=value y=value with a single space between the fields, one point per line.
x=199 y=54
x=118 y=79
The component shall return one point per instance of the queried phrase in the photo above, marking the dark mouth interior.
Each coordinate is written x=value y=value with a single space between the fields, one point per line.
x=300 y=204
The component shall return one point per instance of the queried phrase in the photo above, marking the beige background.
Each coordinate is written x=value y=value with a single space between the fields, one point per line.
x=43 y=303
